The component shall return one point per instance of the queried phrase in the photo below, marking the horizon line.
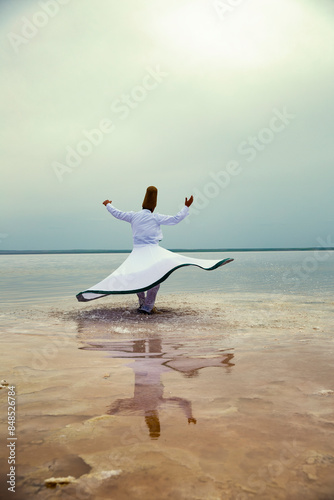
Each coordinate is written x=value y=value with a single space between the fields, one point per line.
x=86 y=251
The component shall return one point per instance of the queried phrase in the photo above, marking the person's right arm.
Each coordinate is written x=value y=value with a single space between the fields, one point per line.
x=127 y=216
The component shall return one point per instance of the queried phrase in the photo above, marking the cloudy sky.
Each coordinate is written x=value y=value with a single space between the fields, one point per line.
x=231 y=101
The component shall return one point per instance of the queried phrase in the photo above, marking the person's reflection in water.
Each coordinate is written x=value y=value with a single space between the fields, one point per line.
x=153 y=423
x=190 y=366
x=148 y=392
x=148 y=396
x=150 y=358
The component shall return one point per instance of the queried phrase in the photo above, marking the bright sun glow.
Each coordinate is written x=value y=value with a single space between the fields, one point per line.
x=252 y=34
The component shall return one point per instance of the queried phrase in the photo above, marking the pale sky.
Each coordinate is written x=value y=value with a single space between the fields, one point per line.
x=229 y=101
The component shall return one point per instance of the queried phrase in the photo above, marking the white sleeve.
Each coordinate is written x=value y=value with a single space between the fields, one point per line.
x=170 y=220
x=127 y=216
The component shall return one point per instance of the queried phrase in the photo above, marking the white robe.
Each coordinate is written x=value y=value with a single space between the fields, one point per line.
x=148 y=264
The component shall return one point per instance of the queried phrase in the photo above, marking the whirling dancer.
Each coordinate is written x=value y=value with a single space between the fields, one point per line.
x=149 y=264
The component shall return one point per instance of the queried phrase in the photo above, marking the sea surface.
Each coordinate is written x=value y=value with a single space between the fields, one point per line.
x=48 y=278
x=227 y=394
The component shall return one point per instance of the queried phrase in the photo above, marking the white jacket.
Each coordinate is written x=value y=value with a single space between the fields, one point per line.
x=146 y=225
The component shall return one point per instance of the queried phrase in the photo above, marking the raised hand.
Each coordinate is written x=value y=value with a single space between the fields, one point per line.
x=189 y=202
x=105 y=203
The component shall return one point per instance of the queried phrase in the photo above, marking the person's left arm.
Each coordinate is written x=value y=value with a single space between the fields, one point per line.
x=170 y=220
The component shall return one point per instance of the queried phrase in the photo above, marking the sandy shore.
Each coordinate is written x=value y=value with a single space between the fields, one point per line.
x=219 y=398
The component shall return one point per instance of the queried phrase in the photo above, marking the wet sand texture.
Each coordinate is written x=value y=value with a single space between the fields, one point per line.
x=214 y=399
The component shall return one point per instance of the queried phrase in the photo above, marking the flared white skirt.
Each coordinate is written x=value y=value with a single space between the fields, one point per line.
x=144 y=268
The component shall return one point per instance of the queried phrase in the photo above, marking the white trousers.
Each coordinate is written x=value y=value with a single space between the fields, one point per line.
x=147 y=302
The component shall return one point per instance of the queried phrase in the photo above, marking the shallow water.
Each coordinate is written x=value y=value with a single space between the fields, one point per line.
x=217 y=397
x=31 y=279
x=224 y=395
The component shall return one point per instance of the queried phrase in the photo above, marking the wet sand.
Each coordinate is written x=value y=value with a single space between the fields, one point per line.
x=217 y=398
